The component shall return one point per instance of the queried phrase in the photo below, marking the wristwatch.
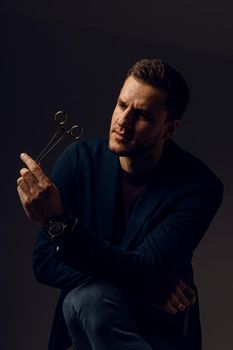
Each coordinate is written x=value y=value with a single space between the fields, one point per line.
x=56 y=226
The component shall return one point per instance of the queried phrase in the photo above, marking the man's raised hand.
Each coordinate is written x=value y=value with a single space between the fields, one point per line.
x=39 y=196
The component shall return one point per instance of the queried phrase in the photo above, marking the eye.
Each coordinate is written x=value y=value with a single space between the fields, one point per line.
x=142 y=115
x=121 y=105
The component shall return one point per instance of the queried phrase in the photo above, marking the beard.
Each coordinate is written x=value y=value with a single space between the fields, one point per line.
x=132 y=151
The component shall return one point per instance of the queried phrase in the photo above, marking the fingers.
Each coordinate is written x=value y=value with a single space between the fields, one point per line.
x=29 y=195
x=33 y=184
x=180 y=298
x=21 y=194
x=167 y=307
x=24 y=191
x=170 y=309
x=188 y=292
x=33 y=176
x=22 y=184
x=173 y=306
x=39 y=196
x=28 y=177
x=173 y=309
x=34 y=168
x=176 y=302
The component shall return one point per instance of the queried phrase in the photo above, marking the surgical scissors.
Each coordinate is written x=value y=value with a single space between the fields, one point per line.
x=76 y=132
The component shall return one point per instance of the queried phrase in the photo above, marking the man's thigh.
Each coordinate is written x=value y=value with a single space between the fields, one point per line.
x=101 y=305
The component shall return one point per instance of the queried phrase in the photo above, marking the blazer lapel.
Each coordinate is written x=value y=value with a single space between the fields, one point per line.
x=147 y=203
x=107 y=192
x=152 y=196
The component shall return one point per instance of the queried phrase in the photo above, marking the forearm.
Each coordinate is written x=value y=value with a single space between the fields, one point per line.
x=85 y=251
x=51 y=271
x=165 y=249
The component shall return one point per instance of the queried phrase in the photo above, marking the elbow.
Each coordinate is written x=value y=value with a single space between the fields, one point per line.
x=40 y=272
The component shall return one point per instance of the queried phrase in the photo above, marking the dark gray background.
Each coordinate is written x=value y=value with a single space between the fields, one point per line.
x=73 y=55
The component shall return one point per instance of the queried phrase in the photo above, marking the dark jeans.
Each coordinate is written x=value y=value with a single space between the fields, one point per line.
x=98 y=318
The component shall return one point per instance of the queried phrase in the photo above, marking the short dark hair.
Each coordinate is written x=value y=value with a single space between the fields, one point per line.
x=159 y=74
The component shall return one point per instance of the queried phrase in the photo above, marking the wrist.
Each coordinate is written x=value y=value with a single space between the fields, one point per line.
x=59 y=225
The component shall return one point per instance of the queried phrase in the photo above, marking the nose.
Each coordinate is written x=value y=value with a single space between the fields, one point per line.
x=126 y=119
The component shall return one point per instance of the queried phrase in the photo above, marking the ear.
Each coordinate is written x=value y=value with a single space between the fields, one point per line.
x=171 y=129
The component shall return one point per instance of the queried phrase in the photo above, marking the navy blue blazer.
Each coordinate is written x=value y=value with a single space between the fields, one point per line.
x=167 y=223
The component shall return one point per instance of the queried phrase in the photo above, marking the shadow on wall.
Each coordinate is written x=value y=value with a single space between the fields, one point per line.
x=52 y=65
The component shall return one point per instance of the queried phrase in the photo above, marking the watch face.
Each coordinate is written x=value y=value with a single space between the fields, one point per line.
x=55 y=228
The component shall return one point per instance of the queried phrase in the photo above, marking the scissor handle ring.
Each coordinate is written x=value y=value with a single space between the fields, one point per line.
x=60 y=117
x=72 y=132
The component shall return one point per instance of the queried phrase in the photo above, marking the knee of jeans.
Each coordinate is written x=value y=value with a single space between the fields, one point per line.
x=93 y=304
x=70 y=306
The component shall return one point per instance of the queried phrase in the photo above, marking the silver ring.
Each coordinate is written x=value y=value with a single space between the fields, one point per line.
x=179 y=307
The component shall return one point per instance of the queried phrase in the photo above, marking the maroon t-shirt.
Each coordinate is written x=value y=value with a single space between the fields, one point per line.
x=130 y=188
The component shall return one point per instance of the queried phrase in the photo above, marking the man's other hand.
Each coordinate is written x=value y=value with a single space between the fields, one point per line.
x=39 y=196
x=177 y=298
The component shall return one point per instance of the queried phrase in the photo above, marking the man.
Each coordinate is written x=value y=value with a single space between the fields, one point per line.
x=120 y=220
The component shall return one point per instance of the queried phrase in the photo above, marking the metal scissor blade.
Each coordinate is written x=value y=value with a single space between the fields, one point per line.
x=48 y=149
x=60 y=118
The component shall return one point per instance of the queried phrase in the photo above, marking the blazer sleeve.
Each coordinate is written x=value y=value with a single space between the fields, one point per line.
x=168 y=244
x=47 y=269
